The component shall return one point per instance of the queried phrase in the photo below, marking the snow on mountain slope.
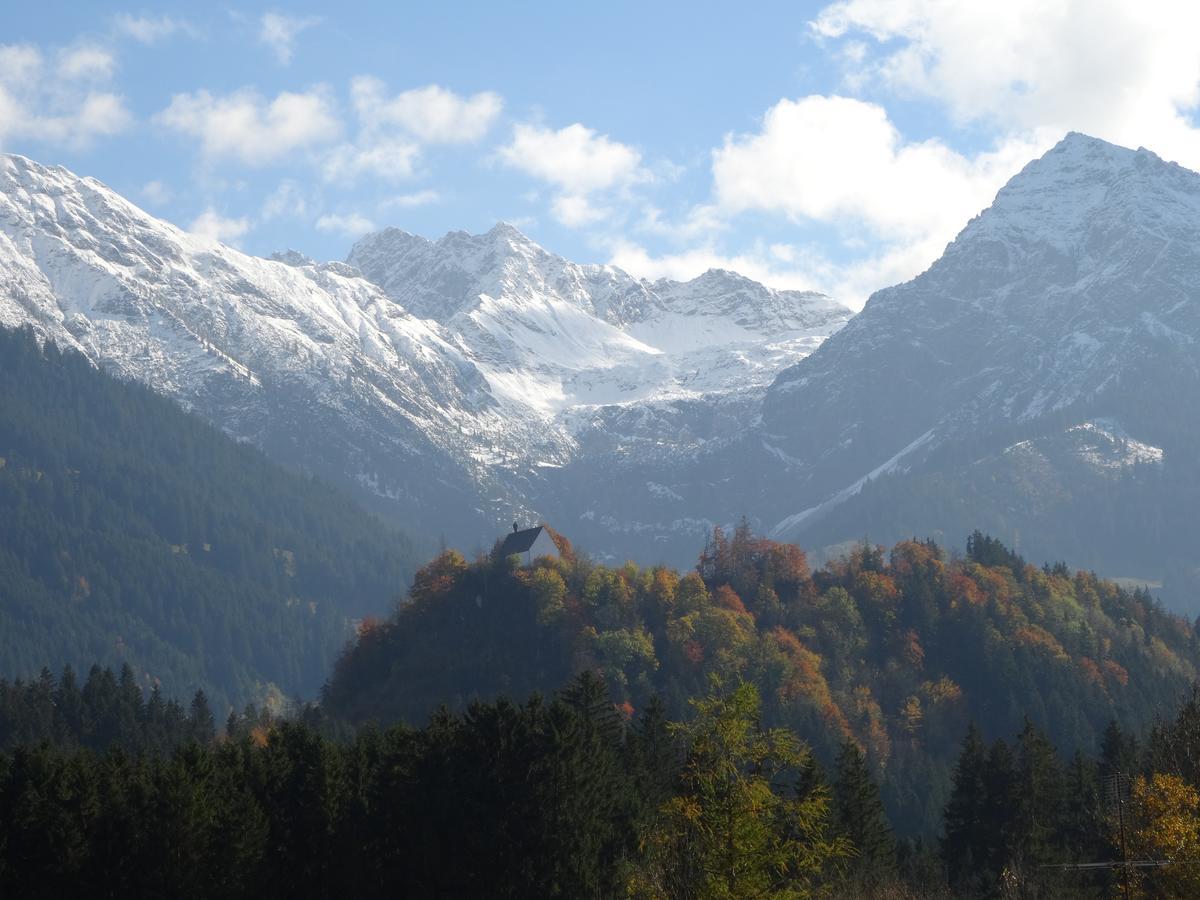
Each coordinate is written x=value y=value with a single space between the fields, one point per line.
x=443 y=383
x=1074 y=298
x=558 y=336
x=312 y=362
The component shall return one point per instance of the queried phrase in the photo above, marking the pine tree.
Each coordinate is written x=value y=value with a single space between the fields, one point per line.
x=582 y=791
x=1118 y=752
x=1082 y=835
x=201 y=726
x=964 y=847
x=996 y=834
x=859 y=816
x=654 y=757
x=1038 y=800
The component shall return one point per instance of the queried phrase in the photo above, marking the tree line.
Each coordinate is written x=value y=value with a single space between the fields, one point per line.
x=559 y=797
x=562 y=797
x=896 y=650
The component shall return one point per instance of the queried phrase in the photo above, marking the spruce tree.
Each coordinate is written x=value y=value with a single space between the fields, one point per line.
x=963 y=846
x=1118 y=752
x=858 y=815
x=1038 y=800
x=996 y=834
x=201 y=726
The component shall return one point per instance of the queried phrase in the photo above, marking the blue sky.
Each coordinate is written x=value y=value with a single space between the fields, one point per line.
x=835 y=146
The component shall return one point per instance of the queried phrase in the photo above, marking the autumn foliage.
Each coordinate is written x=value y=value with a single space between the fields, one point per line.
x=895 y=650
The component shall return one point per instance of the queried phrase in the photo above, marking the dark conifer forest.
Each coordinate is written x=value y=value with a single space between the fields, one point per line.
x=564 y=796
x=132 y=532
x=904 y=722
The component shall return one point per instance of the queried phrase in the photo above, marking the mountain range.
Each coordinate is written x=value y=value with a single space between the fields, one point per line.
x=1038 y=381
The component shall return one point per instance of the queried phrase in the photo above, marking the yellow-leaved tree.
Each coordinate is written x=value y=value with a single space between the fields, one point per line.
x=1166 y=827
x=743 y=824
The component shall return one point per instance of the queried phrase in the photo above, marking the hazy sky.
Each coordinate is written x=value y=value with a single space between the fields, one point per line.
x=831 y=146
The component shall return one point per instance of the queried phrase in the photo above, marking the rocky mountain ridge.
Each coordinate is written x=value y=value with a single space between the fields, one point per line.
x=442 y=392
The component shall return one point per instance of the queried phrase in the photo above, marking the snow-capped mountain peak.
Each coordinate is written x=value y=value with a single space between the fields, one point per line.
x=439 y=376
x=1071 y=296
x=571 y=335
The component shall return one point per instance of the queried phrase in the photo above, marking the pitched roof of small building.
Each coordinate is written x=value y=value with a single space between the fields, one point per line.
x=520 y=541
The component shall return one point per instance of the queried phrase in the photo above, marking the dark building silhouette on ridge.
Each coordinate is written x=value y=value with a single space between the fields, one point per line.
x=529 y=544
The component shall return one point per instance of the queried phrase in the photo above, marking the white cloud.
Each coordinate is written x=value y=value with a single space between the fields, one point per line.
x=213 y=226
x=392 y=130
x=575 y=158
x=578 y=162
x=246 y=127
x=351 y=224
x=148 y=29
x=1125 y=72
x=783 y=266
x=66 y=103
x=841 y=161
x=758 y=263
x=86 y=61
x=279 y=32
x=408 y=201
x=838 y=159
x=575 y=210
x=20 y=64
x=100 y=114
x=432 y=114
x=701 y=221
x=288 y=199
x=156 y=192
x=1020 y=73
x=391 y=159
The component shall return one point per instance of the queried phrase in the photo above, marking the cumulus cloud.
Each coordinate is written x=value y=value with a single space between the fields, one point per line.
x=432 y=114
x=156 y=192
x=1022 y=72
x=86 y=61
x=288 y=199
x=393 y=129
x=783 y=266
x=839 y=159
x=1019 y=74
x=246 y=127
x=61 y=100
x=575 y=158
x=390 y=159
x=149 y=29
x=578 y=162
x=838 y=162
x=758 y=263
x=574 y=210
x=279 y=32
x=1126 y=72
x=351 y=224
x=212 y=226
x=408 y=201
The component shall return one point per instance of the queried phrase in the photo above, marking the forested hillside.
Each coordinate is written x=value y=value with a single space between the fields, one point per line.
x=132 y=532
x=897 y=650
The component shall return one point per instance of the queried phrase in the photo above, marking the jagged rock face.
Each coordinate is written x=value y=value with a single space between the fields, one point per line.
x=561 y=336
x=638 y=385
x=448 y=381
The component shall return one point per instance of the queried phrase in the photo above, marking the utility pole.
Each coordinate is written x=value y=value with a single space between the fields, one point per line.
x=1118 y=789
x=1116 y=794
